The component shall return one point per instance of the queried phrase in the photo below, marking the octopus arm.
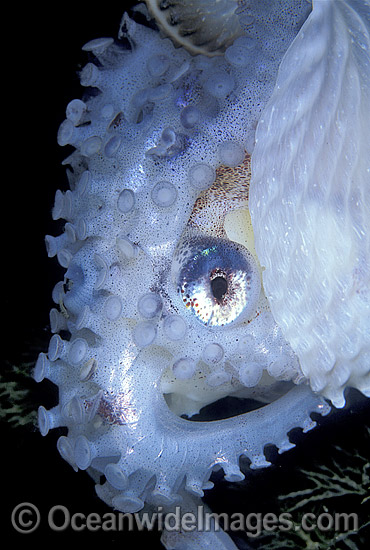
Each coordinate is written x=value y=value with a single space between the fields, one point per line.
x=180 y=454
x=310 y=197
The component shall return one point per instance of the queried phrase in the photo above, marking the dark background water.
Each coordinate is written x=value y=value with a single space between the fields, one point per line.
x=45 y=56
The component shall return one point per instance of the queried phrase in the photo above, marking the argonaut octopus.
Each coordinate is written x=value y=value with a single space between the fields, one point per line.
x=216 y=244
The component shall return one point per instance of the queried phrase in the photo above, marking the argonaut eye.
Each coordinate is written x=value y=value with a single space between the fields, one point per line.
x=217 y=279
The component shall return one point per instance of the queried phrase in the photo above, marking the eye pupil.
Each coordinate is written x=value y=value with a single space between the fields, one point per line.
x=218 y=280
x=219 y=287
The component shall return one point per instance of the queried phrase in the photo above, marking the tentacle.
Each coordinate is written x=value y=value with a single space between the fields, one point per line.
x=210 y=537
x=165 y=452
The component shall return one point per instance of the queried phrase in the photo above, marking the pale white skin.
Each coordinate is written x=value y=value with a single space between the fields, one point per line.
x=309 y=208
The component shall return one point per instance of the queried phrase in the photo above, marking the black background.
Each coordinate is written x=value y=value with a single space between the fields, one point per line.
x=41 y=63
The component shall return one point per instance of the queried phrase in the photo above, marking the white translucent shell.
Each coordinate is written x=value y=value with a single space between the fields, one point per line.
x=310 y=197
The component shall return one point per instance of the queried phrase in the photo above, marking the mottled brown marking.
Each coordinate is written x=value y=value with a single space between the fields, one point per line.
x=229 y=191
x=118 y=409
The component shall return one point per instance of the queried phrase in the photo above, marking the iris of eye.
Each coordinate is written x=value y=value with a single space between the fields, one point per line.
x=219 y=287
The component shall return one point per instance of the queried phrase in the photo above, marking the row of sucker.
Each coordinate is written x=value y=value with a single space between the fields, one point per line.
x=160 y=312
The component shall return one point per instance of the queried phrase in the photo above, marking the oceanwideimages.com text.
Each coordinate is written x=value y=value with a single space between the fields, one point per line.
x=26 y=518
